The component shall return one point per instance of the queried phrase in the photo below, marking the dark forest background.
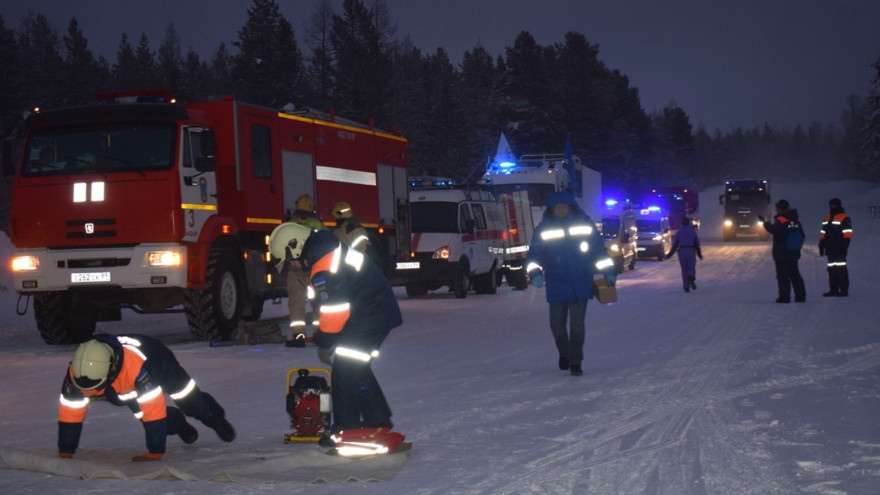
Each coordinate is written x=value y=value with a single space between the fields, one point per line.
x=355 y=63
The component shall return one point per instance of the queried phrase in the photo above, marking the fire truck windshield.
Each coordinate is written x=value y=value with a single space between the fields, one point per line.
x=104 y=149
x=538 y=192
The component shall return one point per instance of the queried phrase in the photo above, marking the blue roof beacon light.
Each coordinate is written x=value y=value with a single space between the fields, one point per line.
x=610 y=202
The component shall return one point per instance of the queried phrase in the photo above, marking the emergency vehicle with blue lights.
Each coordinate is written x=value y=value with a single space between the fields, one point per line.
x=530 y=179
x=139 y=202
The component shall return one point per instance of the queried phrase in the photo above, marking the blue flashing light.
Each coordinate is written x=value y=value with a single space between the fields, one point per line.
x=610 y=203
x=654 y=209
x=507 y=164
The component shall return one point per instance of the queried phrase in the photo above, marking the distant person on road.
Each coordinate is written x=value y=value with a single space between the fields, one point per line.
x=567 y=249
x=687 y=243
x=834 y=241
x=788 y=275
x=135 y=371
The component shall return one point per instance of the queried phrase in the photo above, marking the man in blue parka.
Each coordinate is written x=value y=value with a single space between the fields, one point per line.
x=566 y=249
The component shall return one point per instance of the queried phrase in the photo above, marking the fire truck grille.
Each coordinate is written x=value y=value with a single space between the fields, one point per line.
x=84 y=229
x=96 y=263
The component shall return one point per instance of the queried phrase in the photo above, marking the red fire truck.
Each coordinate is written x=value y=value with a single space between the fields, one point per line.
x=139 y=202
x=677 y=201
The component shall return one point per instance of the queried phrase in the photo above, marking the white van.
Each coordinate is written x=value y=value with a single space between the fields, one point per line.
x=457 y=240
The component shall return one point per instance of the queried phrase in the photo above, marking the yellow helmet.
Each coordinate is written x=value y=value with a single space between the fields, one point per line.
x=305 y=203
x=91 y=364
x=341 y=210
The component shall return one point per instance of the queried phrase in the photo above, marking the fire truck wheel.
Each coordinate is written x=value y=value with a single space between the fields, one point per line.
x=62 y=321
x=462 y=282
x=214 y=313
x=415 y=289
x=254 y=309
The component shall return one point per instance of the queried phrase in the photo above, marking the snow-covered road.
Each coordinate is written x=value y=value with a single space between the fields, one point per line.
x=719 y=391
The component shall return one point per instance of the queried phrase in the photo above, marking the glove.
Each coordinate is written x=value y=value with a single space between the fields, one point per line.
x=149 y=456
x=65 y=455
x=611 y=278
x=821 y=251
x=538 y=281
x=699 y=255
x=325 y=355
x=762 y=219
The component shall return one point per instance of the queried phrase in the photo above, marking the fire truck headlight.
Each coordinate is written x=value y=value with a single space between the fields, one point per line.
x=614 y=247
x=441 y=254
x=728 y=223
x=25 y=264
x=164 y=258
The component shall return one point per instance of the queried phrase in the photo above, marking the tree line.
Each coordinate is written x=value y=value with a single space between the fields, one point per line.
x=354 y=63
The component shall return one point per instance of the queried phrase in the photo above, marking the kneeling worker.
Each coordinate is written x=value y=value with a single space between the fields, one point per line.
x=135 y=371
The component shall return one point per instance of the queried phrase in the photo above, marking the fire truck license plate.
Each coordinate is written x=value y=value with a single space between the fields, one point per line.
x=89 y=277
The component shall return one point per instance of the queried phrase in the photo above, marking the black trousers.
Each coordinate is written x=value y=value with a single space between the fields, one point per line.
x=788 y=277
x=838 y=274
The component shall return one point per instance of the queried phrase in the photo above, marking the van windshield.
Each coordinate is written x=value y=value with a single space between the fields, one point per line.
x=538 y=193
x=434 y=216
x=649 y=225
x=610 y=228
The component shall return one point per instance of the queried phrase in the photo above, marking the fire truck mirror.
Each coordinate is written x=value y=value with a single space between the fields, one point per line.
x=209 y=143
x=6 y=158
x=205 y=164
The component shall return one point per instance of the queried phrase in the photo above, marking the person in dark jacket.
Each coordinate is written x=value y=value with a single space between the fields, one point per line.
x=566 y=249
x=357 y=311
x=687 y=243
x=788 y=276
x=135 y=371
x=834 y=240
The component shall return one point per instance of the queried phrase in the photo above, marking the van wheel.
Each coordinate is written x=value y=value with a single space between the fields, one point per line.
x=462 y=281
x=487 y=283
x=519 y=280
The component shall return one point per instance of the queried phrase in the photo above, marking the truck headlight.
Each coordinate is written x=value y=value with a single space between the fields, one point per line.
x=614 y=247
x=441 y=253
x=25 y=264
x=164 y=258
x=728 y=223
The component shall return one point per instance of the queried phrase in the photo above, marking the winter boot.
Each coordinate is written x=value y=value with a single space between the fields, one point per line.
x=563 y=363
x=299 y=340
x=693 y=282
x=576 y=370
x=225 y=431
x=189 y=434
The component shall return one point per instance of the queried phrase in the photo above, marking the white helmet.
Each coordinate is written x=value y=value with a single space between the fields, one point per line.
x=91 y=364
x=287 y=240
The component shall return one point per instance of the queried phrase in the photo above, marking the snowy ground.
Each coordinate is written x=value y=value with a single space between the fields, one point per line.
x=720 y=391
